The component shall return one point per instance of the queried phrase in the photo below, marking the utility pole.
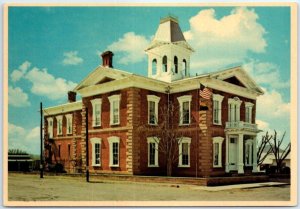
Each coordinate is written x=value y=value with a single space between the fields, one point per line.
x=41 y=135
x=87 y=144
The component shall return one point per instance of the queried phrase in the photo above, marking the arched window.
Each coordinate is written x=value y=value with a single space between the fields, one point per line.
x=165 y=64
x=154 y=67
x=184 y=67
x=176 y=64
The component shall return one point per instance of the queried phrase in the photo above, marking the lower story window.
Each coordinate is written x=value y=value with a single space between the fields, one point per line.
x=184 y=152
x=152 y=151
x=217 y=151
x=115 y=153
x=248 y=152
x=114 y=147
x=96 y=151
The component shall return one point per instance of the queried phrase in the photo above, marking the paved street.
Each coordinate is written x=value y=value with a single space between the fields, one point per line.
x=64 y=188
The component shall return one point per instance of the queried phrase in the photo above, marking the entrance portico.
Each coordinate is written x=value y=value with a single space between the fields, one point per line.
x=241 y=148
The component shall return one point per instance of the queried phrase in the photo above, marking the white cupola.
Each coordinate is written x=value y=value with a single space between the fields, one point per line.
x=169 y=53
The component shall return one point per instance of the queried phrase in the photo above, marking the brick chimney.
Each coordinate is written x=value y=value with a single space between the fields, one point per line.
x=71 y=96
x=107 y=60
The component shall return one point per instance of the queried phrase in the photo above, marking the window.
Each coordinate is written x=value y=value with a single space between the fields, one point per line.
x=234 y=109
x=96 y=103
x=248 y=112
x=114 y=109
x=152 y=109
x=217 y=151
x=248 y=152
x=69 y=151
x=50 y=127
x=154 y=67
x=176 y=64
x=165 y=64
x=59 y=124
x=114 y=142
x=184 y=152
x=69 y=123
x=184 y=67
x=96 y=151
x=217 y=109
x=185 y=109
x=152 y=151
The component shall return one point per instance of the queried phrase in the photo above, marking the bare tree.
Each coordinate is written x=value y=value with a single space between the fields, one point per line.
x=280 y=154
x=263 y=150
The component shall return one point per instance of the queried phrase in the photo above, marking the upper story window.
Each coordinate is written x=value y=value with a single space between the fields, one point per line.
x=154 y=67
x=152 y=151
x=184 y=152
x=165 y=64
x=96 y=151
x=153 y=109
x=185 y=109
x=69 y=118
x=114 y=109
x=234 y=109
x=217 y=109
x=184 y=67
x=50 y=127
x=176 y=64
x=96 y=103
x=217 y=151
x=114 y=144
x=248 y=112
x=59 y=120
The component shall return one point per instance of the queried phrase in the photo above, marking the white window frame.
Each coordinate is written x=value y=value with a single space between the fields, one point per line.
x=218 y=140
x=95 y=141
x=111 y=141
x=236 y=102
x=250 y=106
x=69 y=117
x=218 y=98
x=155 y=99
x=181 y=100
x=95 y=102
x=182 y=141
x=154 y=140
x=50 y=128
x=112 y=99
x=249 y=142
x=59 y=118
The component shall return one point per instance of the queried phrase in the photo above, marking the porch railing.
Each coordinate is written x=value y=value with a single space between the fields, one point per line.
x=241 y=125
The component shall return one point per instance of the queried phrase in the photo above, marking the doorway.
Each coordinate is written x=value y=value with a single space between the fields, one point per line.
x=232 y=153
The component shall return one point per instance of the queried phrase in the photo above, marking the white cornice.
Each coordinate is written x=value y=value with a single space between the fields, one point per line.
x=64 y=108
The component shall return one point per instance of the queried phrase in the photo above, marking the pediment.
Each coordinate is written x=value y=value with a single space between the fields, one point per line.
x=105 y=80
x=235 y=81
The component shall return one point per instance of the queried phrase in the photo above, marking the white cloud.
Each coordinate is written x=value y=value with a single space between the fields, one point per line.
x=220 y=42
x=45 y=84
x=72 y=58
x=17 y=98
x=262 y=125
x=266 y=74
x=18 y=73
x=26 y=140
x=131 y=48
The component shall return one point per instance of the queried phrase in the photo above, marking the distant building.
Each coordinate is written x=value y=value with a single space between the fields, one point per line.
x=218 y=139
x=20 y=162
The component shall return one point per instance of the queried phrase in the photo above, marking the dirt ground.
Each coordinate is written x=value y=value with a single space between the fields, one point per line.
x=25 y=187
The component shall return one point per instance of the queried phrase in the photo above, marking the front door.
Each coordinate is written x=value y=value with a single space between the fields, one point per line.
x=232 y=153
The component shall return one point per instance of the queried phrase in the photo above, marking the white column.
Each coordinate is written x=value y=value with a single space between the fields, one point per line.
x=254 y=163
x=226 y=154
x=241 y=154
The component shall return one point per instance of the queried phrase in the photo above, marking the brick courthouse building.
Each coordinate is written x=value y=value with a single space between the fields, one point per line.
x=217 y=139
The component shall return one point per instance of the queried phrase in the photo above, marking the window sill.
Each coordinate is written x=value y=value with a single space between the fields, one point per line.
x=96 y=126
x=152 y=124
x=183 y=166
x=153 y=166
x=217 y=124
x=184 y=124
x=96 y=165
x=217 y=166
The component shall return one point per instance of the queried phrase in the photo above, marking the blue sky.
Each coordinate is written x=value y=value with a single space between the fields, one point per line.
x=51 y=49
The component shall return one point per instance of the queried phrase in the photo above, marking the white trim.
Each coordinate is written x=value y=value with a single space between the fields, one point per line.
x=155 y=99
x=156 y=142
x=95 y=141
x=59 y=109
x=95 y=102
x=249 y=142
x=181 y=141
x=50 y=128
x=111 y=141
x=112 y=99
x=181 y=100
x=218 y=140
x=69 y=116
x=236 y=102
x=59 y=118
x=219 y=99
x=250 y=106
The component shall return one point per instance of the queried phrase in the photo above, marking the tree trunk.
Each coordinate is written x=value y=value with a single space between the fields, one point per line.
x=169 y=168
